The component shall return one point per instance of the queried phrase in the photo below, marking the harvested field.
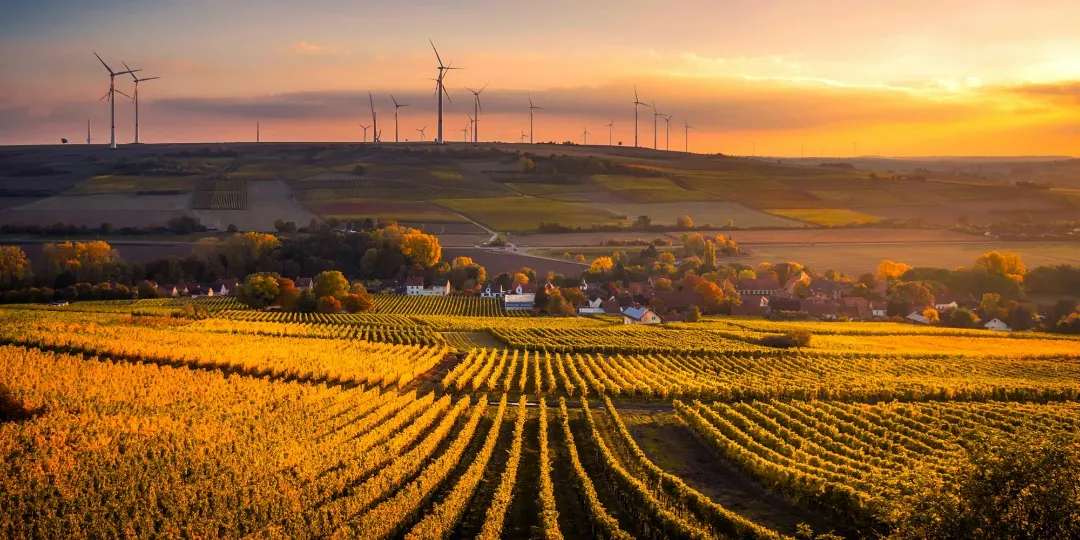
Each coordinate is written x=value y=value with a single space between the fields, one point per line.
x=526 y=213
x=497 y=262
x=411 y=211
x=122 y=210
x=702 y=212
x=826 y=216
x=835 y=236
x=267 y=201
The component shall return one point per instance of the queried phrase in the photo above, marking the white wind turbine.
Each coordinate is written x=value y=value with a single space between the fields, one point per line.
x=440 y=88
x=421 y=130
x=396 y=107
x=365 y=131
x=667 y=137
x=531 y=109
x=654 y=115
x=137 y=81
x=637 y=102
x=477 y=109
x=686 y=134
x=374 y=120
x=111 y=94
x=465 y=131
x=610 y=131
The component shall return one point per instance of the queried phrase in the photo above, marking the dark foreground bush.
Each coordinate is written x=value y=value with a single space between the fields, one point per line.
x=13 y=410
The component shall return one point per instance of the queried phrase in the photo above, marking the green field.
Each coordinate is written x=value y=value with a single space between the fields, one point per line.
x=526 y=213
x=830 y=217
x=110 y=184
x=616 y=182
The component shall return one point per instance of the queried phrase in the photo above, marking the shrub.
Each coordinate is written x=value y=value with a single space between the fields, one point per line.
x=789 y=340
x=693 y=314
x=328 y=304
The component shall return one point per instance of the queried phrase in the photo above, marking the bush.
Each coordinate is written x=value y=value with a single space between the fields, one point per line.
x=693 y=314
x=328 y=304
x=793 y=339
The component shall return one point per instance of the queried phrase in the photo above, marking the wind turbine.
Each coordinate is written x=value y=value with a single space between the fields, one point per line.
x=610 y=130
x=87 y=131
x=667 y=137
x=396 y=107
x=365 y=131
x=531 y=109
x=477 y=109
x=585 y=137
x=686 y=134
x=465 y=131
x=637 y=102
x=440 y=89
x=654 y=115
x=137 y=81
x=111 y=94
x=374 y=120
x=522 y=136
x=421 y=130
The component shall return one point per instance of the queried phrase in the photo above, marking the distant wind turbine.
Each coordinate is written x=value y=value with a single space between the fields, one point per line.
x=87 y=131
x=465 y=131
x=637 y=102
x=111 y=94
x=137 y=81
x=522 y=136
x=365 y=131
x=610 y=130
x=667 y=137
x=396 y=107
x=421 y=130
x=655 y=114
x=686 y=134
x=440 y=88
x=531 y=109
x=585 y=137
x=376 y=133
x=477 y=109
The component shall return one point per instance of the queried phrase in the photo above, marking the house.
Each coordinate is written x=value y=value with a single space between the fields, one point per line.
x=879 y=309
x=592 y=305
x=523 y=288
x=947 y=301
x=785 y=303
x=830 y=288
x=304 y=283
x=491 y=290
x=611 y=306
x=678 y=300
x=640 y=315
x=795 y=280
x=759 y=287
x=414 y=286
x=916 y=316
x=519 y=301
x=169 y=291
x=752 y=304
x=997 y=324
x=224 y=287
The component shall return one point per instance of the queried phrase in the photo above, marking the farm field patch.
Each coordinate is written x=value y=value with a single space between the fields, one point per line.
x=825 y=216
x=106 y=184
x=400 y=210
x=702 y=212
x=526 y=213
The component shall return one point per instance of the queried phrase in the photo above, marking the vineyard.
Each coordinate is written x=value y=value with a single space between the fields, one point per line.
x=448 y=417
x=221 y=194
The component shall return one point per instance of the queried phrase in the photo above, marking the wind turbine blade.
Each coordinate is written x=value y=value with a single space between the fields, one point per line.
x=483 y=87
x=470 y=89
x=479 y=105
x=129 y=71
x=123 y=94
x=146 y=79
x=105 y=96
x=436 y=53
x=447 y=94
x=103 y=63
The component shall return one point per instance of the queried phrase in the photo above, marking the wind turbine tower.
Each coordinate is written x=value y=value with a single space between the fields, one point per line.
x=465 y=131
x=531 y=109
x=374 y=120
x=686 y=135
x=421 y=130
x=137 y=81
x=87 y=131
x=365 y=131
x=522 y=136
x=477 y=109
x=655 y=114
x=440 y=88
x=111 y=94
x=585 y=137
x=667 y=127
x=396 y=107
x=610 y=131
x=637 y=102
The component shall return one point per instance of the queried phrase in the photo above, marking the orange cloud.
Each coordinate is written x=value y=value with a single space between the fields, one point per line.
x=310 y=48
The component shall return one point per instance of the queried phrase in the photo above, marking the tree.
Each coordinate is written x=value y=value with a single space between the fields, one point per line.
x=684 y=222
x=693 y=314
x=421 y=248
x=146 y=290
x=693 y=244
x=717 y=298
x=463 y=271
x=259 y=290
x=961 y=318
x=357 y=302
x=288 y=295
x=989 y=305
x=328 y=304
x=932 y=316
x=14 y=266
x=1006 y=264
x=913 y=292
x=787 y=270
x=580 y=257
x=558 y=306
x=747 y=274
x=889 y=270
x=1069 y=324
x=1015 y=485
x=330 y=283
x=601 y=265
x=663 y=284
x=709 y=258
x=643 y=222
x=87 y=261
x=368 y=262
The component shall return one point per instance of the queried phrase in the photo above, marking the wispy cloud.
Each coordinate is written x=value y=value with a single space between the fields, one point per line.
x=311 y=48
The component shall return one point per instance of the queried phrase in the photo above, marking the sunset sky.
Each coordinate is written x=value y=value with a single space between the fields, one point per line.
x=900 y=78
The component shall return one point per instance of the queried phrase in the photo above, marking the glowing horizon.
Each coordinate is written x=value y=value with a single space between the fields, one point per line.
x=914 y=80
